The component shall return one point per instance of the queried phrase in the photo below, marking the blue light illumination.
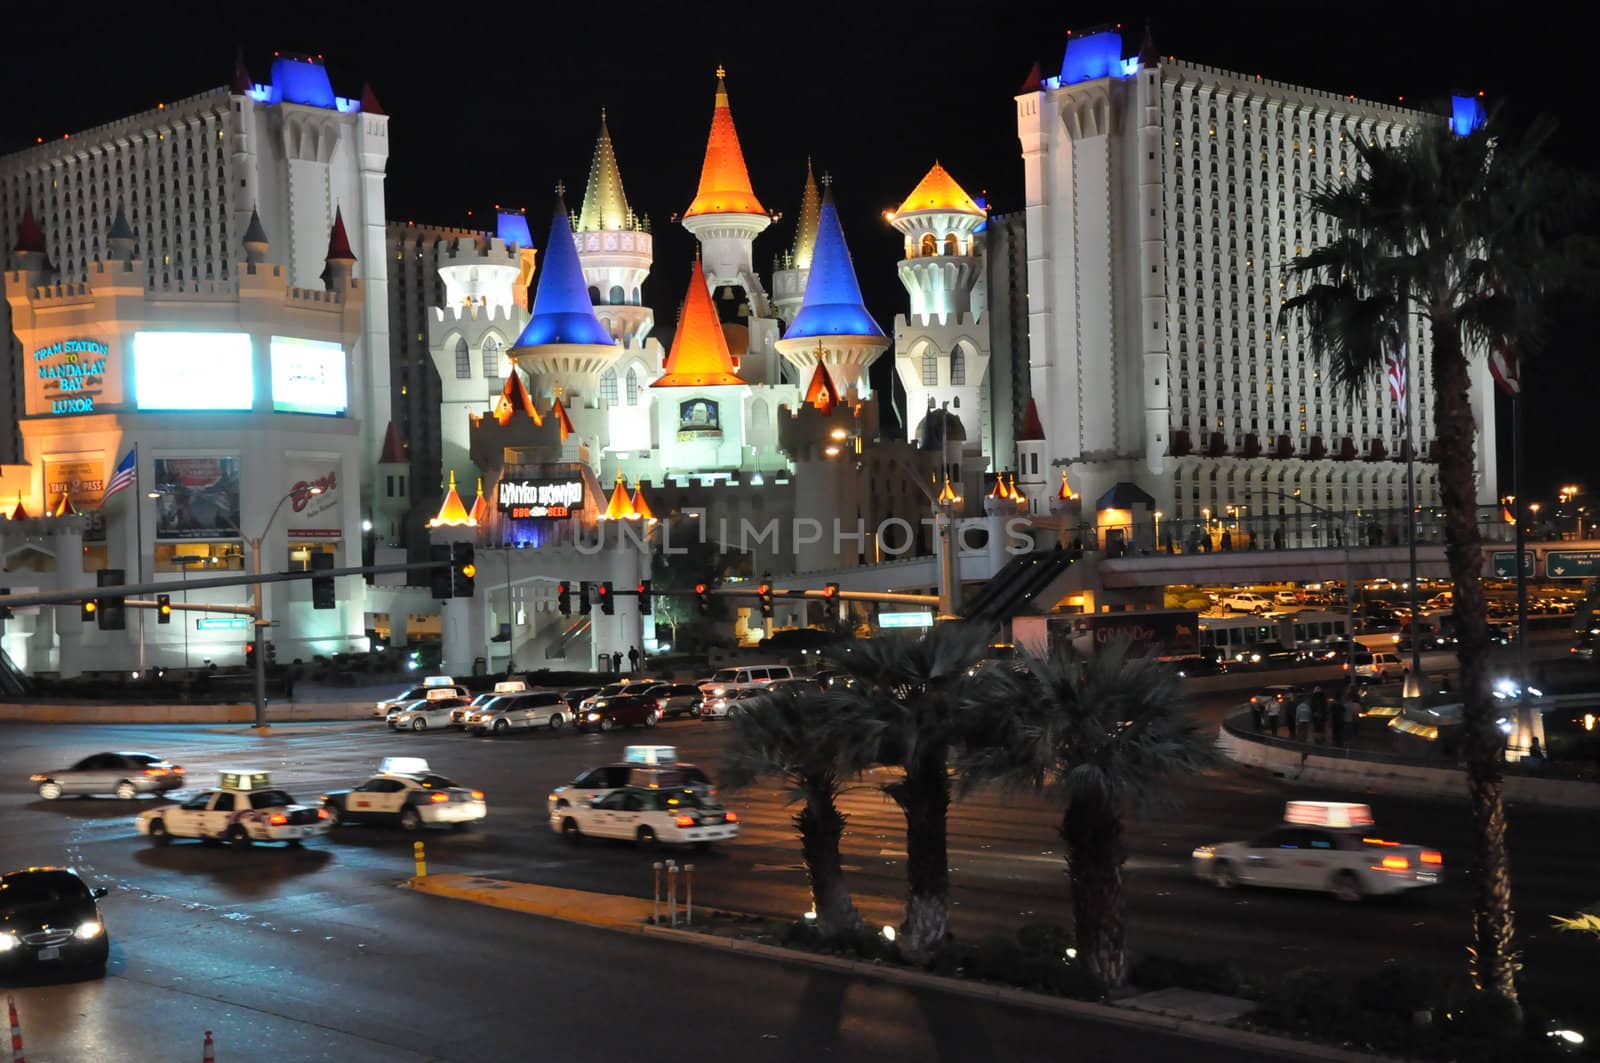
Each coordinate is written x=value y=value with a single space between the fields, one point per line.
x=1096 y=55
x=1466 y=114
x=832 y=305
x=562 y=312
x=983 y=203
x=513 y=229
x=301 y=81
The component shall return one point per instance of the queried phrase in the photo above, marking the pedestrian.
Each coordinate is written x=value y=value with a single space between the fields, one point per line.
x=633 y=659
x=1227 y=541
x=1273 y=706
x=616 y=661
x=1302 y=719
x=1258 y=715
x=1278 y=538
x=1535 y=754
x=1319 y=713
x=1352 y=713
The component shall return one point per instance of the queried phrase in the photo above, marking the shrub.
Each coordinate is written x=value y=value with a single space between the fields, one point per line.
x=998 y=959
x=1396 y=991
x=1162 y=972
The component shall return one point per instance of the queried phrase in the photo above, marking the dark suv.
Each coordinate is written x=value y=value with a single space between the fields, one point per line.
x=674 y=699
x=49 y=919
x=618 y=710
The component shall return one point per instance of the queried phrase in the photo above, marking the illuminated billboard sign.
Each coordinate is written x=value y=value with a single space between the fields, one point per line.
x=82 y=480
x=193 y=371
x=313 y=516
x=72 y=372
x=197 y=498
x=539 y=499
x=308 y=376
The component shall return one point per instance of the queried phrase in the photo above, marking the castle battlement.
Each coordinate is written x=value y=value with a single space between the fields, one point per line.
x=470 y=248
x=485 y=313
x=965 y=321
x=85 y=142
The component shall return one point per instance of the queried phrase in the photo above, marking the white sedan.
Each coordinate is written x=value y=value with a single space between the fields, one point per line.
x=721 y=706
x=1339 y=855
x=648 y=817
x=412 y=798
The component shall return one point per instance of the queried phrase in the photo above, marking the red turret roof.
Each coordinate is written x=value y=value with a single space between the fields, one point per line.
x=514 y=399
x=30 y=238
x=822 y=393
x=242 y=82
x=559 y=413
x=338 y=242
x=1034 y=81
x=394 y=451
x=369 y=101
x=1032 y=431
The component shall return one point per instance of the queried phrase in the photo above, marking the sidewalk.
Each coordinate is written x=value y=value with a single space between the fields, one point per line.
x=277 y=712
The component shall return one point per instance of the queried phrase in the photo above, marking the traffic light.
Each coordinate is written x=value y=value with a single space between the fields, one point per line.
x=607 y=606
x=163 y=608
x=463 y=571
x=250 y=652
x=89 y=608
x=441 y=577
x=564 y=598
x=764 y=589
x=583 y=599
x=272 y=653
x=702 y=592
x=830 y=591
x=5 y=610
x=111 y=614
x=643 y=591
x=322 y=586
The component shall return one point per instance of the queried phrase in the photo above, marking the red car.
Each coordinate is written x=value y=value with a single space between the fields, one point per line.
x=619 y=710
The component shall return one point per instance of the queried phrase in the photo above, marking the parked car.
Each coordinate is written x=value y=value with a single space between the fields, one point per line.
x=121 y=775
x=1246 y=602
x=388 y=705
x=1383 y=665
x=49 y=919
x=721 y=706
x=421 y=715
x=726 y=679
x=674 y=699
x=617 y=710
x=519 y=712
x=1286 y=598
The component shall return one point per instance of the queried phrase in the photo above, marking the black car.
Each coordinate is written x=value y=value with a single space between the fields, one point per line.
x=1196 y=667
x=49 y=919
x=574 y=697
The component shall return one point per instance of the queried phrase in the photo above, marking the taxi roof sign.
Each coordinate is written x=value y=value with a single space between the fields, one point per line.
x=439 y=681
x=403 y=766
x=510 y=686
x=1328 y=814
x=650 y=754
x=442 y=693
x=244 y=780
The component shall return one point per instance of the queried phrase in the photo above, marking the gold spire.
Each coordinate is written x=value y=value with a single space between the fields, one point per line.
x=805 y=234
x=605 y=206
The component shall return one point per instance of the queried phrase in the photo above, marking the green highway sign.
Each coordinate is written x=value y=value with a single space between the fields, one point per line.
x=222 y=623
x=1503 y=564
x=1572 y=564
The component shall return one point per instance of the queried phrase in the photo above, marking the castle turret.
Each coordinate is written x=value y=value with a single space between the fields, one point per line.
x=699 y=400
x=30 y=255
x=340 y=259
x=833 y=326
x=120 y=241
x=1033 y=466
x=942 y=346
x=726 y=216
x=789 y=279
x=564 y=348
x=256 y=244
x=615 y=247
x=392 y=504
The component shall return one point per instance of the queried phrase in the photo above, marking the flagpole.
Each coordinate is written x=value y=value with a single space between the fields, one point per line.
x=138 y=539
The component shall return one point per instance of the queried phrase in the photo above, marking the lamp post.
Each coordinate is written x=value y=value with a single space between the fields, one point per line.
x=1157 y=532
x=511 y=618
x=1349 y=584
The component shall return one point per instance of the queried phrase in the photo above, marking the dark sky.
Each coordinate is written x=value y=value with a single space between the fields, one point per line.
x=493 y=104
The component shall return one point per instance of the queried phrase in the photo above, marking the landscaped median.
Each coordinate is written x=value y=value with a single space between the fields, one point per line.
x=993 y=971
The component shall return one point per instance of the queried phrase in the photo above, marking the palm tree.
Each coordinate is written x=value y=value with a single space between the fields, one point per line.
x=797 y=738
x=1103 y=734
x=907 y=702
x=1471 y=233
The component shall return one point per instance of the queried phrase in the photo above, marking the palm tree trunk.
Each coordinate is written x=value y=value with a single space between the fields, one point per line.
x=821 y=826
x=924 y=797
x=1494 y=960
x=1096 y=850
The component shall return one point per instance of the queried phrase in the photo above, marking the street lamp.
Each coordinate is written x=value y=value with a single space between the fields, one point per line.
x=1158 y=531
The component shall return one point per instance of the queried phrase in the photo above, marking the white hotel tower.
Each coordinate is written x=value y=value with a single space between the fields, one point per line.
x=1166 y=202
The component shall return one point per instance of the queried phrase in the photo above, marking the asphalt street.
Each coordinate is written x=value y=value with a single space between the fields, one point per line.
x=315 y=953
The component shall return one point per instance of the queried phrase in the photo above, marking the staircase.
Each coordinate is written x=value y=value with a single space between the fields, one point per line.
x=13 y=682
x=1014 y=587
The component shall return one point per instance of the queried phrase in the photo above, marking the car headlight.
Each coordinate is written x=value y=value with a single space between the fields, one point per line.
x=719 y=691
x=87 y=930
x=1204 y=852
x=592 y=716
x=8 y=941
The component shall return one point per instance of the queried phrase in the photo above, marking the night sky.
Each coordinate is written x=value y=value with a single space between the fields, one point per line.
x=493 y=104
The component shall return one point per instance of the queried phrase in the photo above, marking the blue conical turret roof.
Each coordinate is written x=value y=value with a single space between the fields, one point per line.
x=832 y=304
x=562 y=312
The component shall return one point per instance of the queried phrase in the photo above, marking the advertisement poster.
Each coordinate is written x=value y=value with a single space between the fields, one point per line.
x=193 y=371
x=72 y=374
x=308 y=376
x=199 y=498
x=82 y=480
x=313 y=516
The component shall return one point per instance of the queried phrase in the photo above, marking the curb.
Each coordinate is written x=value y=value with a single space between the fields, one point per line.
x=989 y=993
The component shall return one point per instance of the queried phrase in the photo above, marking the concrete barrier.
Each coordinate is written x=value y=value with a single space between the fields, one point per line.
x=1305 y=765
x=102 y=714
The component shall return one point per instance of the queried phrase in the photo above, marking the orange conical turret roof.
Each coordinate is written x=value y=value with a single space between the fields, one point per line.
x=939 y=191
x=699 y=356
x=1065 y=494
x=621 y=506
x=480 y=508
x=452 y=514
x=63 y=507
x=641 y=508
x=822 y=393
x=724 y=181
x=514 y=399
x=559 y=413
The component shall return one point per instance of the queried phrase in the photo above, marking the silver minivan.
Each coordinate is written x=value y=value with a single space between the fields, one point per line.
x=519 y=712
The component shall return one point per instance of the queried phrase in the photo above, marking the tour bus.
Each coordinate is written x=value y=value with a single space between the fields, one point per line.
x=1232 y=638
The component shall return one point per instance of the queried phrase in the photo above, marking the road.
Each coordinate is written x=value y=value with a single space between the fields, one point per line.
x=315 y=953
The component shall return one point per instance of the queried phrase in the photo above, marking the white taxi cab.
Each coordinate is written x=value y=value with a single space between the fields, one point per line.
x=408 y=793
x=432 y=711
x=243 y=809
x=1325 y=846
x=648 y=817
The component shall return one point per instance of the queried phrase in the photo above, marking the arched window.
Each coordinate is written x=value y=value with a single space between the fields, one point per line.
x=952 y=246
x=608 y=387
x=930 y=245
x=463 y=360
x=491 y=359
x=930 y=367
x=632 y=387
x=635 y=300
x=958 y=367
x=594 y=295
x=618 y=296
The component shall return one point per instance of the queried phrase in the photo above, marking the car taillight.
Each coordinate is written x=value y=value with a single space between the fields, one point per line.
x=477 y=795
x=155 y=771
x=438 y=799
x=1395 y=863
x=277 y=819
x=731 y=817
x=322 y=813
x=683 y=821
x=1433 y=857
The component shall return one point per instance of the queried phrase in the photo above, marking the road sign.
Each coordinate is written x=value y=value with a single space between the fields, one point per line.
x=917 y=619
x=1572 y=564
x=1504 y=565
x=222 y=623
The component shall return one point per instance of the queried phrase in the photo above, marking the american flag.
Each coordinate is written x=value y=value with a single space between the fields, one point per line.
x=1396 y=363
x=123 y=476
